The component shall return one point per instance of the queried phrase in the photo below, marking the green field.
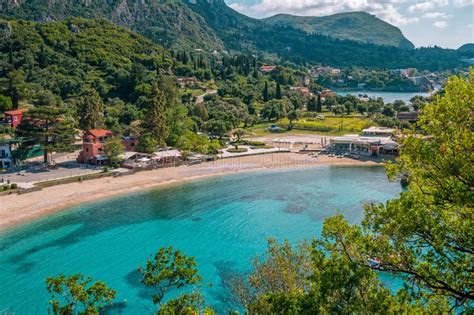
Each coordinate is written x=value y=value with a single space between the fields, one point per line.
x=330 y=125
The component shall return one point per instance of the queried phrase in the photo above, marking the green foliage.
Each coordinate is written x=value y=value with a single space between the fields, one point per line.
x=5 y=103
x=49 y=126
x=313 y=279
x=113 y=149
x=154 y=123
x=90 y=109
x=170 y=269
x=147 y=144
x=76 y=295
x=193 y=142
x=425 y=235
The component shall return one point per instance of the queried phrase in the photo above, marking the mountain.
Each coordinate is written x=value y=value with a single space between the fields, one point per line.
x=356 y=26
x=211 y=24
x=170 y=23
x=467 y=47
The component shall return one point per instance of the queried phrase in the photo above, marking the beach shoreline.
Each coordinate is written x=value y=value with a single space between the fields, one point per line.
x=16 y=210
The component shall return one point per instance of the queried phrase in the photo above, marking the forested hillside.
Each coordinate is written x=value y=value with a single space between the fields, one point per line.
x=66 y=57
x=168 y=22
x=209 y=25
x=357 y=26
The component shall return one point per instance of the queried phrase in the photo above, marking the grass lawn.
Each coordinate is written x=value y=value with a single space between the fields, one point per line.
x=329 y=126
x=194 y=92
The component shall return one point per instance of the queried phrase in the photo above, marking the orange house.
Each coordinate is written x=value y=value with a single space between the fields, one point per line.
x=93 y=146
x=13 y=117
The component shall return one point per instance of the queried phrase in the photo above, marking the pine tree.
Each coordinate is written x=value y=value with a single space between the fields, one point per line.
x=50 y=127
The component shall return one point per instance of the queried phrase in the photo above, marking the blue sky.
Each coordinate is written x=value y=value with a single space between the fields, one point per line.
x=446 y=23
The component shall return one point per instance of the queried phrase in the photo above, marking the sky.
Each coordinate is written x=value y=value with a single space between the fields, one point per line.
x=445 y=23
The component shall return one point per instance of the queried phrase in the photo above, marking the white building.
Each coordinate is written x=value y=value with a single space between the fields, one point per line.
x=373 y=141
x=6 y=160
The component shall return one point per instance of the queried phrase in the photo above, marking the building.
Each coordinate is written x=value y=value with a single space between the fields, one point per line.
x=301 y=89
x=368 y=146
x=378 y=132
x=411 y=117
x=13 y=117
x=328 y=93
x=93 y=143
x=130 y=143
x=133 y=160
x=374 y=141
x=267 y=68
x=6 y=159
x=187 y=81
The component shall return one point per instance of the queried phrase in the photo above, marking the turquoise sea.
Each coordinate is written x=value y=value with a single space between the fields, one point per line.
x=223 y=222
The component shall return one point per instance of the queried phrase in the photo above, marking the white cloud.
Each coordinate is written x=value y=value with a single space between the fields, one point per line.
x=421 y=6
x=463 y=3
x=386 y=10
x=436 y=15
x=440 y=24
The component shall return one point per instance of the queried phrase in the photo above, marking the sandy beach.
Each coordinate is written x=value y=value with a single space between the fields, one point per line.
x=18 y=209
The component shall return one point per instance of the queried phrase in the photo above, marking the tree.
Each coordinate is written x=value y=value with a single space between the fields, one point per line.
x=425 y=235
x=265 y=94
x=278 y=94
x=239 y=133
x=154 y=124
x=388 y=111
x=50 y=127
x=319 y=106
x=293 y=116
x=361 y=108
x=113 y=149
x=90 y=110
x=15 y=86
x=312 y=105
x=5 y=103
x=147 y=144
x=169 y=269
x=398 y=104
x=76 y=295
x=313 y=279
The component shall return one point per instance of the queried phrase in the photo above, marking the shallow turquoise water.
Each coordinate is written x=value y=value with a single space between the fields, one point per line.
x=222 y=222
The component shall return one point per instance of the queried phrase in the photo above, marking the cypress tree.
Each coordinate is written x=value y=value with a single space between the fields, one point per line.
x=319 y=106
x=278 y=91
x=266 y=97
x=154 y=124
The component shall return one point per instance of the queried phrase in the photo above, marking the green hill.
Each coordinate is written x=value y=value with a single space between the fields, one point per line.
x=356 y=26
x=69 y=56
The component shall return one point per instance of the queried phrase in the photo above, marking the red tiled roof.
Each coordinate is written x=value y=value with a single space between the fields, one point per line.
x=100 y=132
x=14 y=112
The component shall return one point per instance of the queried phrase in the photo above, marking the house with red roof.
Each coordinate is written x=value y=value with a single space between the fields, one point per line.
x=93 y=146
x=267 y=68
x=13 y=117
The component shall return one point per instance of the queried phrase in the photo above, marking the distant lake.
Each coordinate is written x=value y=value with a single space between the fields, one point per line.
x=388 y=97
